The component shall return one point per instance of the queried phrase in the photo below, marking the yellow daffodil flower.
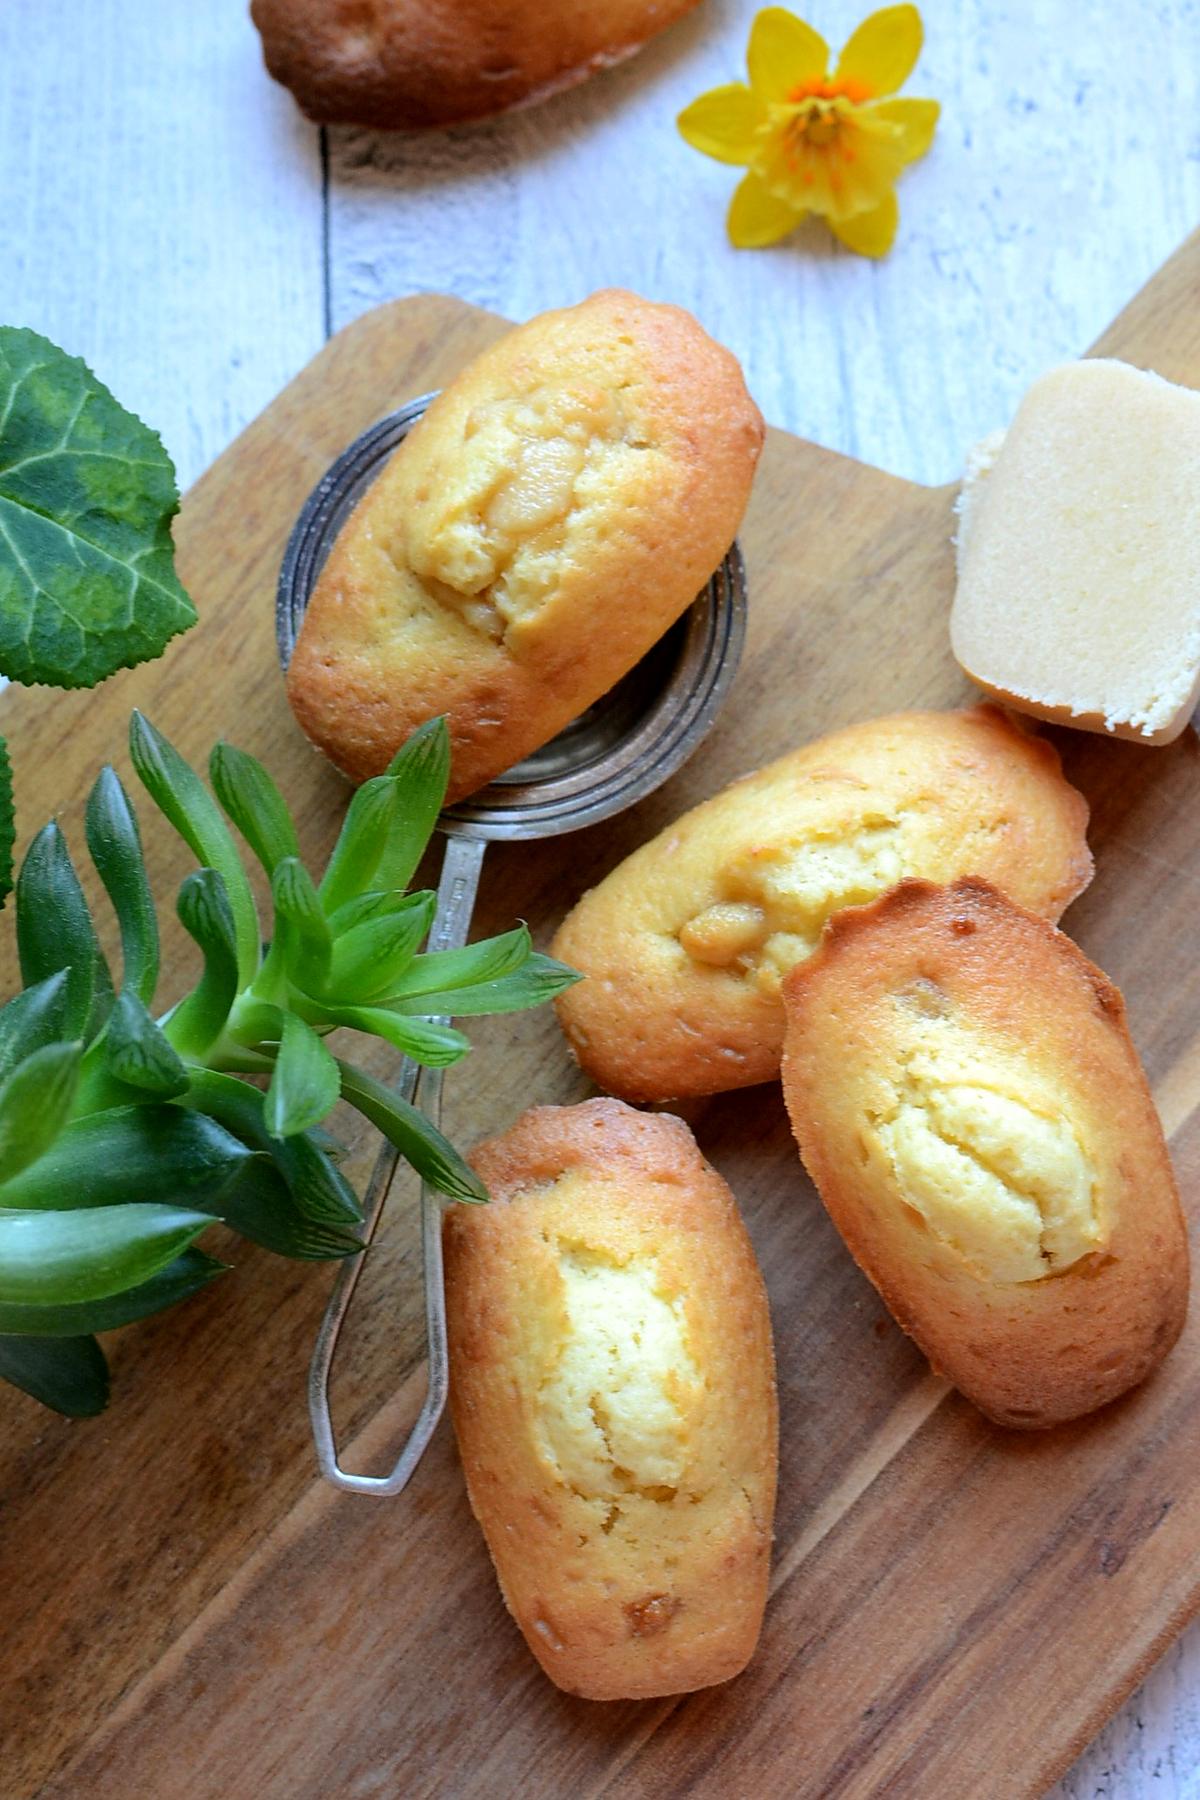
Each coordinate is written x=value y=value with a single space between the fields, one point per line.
x=814 y=142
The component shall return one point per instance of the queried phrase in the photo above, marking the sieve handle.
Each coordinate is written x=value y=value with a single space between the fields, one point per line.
x=455 y=903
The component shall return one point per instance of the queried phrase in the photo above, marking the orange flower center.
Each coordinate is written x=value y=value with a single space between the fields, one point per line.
x=846 y=89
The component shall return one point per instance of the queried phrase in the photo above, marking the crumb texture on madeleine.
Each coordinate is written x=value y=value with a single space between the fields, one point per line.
x=967 y=1100
x=684 y=945
x=558 y=507
x=612 y=1388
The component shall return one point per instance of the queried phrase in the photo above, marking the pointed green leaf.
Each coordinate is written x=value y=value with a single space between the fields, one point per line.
x=34 y=1017
x=254 y=803
x=182 y=797
x=369 y=960
x=178 y=1281
x=536 y=981
x=204 y=910
x=488 y=960
x=68 y=1374
x=377 y=904
x=35 y=1104
x=390 y=820
x=437 y=1046
x=433 y=1156
x=304 y=1085
x=87 y=494
x=55 y=931
x=61 y=1258
x=116 y=849
x=301 y=928
x=318 y=1187
x=136 y=1051
x=260 y=1207
x=360 y=844
x=126 y=1154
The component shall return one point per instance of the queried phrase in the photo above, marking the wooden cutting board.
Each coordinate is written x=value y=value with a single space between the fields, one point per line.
x=189 y=1611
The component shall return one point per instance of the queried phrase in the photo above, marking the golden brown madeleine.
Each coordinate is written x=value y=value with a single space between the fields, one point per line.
x=685 y=944
x=553 y=513
x=613 y=1392
x=405 y=64
x=968 y=1102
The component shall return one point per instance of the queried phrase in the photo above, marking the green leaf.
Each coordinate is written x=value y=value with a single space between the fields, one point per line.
x=55 y=931
x=537 y=981
x=136 y=1051
x=182 y=797
x=302 y=946
x=433 y=1156
x=7 y=823
x=305 y=1085
x=178 y=1281
x=35 y=1104
x=116 y=849
x=54 y=1259
x=254 y=803
x=204 y=910
x=260 y=1207
x=390 y=820
x=68 y=1374
x=437 y=1046
x=34 y=1017
x=87 y=495
x=378 y=904
x=124 y=1154
x=369 y=960
x=319 y=1189
x=489 y=960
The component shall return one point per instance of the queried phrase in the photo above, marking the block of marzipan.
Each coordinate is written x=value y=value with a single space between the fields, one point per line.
x=1078 y=593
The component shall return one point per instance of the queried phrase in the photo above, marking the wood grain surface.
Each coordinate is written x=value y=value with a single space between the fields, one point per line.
x=188 y=1611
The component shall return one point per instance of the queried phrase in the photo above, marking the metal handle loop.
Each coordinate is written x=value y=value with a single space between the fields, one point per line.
x=452 y=921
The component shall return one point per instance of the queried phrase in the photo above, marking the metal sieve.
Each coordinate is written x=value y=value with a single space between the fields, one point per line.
x=615 y=753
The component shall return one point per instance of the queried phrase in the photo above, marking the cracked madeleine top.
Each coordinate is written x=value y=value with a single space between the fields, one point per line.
x=968 y=1102
x=557 y=508
x=613 y=1393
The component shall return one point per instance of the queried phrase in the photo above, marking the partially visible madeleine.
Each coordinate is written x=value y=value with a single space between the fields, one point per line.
x=967 y=1100
x=613 y=1391
x=555 y=511
x=685 y=943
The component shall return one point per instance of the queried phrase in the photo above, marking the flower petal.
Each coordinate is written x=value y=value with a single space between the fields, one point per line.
x=917 y=120
x=722 y=123
x=757 y=218
x=783 y=52
x=881 y=53
x=869 y=233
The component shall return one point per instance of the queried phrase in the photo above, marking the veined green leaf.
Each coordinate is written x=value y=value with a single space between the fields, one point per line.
x=378 y=904
x=305 y=1085
x=318 y=1187
x=34 y=1017
x=538 y=979
x=7 y=823
x=35 y=1104
x=54 y=1259
x=369 y=960
x=55 y=931
x=489 y=960
x=125 y=1153
x=116 y=849
x=260 y=1207
x=254 y=803
x=182 y=797
x=433 y=1156
x=204 y=910
x=302 y=946
x=178 y=1281
x=87 y=494
x=390 y=820
x=137 y=1052
x=68 y=1374
x=437 y=1046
